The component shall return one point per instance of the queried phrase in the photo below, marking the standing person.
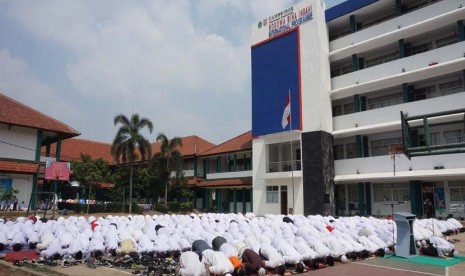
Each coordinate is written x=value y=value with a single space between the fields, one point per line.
x=429 y=208
x=191 y=265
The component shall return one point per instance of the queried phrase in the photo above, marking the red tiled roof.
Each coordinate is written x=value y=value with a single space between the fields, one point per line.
x=226 y=182
x=71 y=150
x=16 y=113
x=239 y=143
x=190 y=145
x=10 y=166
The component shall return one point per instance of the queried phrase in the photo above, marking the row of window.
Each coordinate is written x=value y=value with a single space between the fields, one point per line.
x=389 y=192
x=381 y=146
x=449 y=87
x=394 y=55
x=407 y=6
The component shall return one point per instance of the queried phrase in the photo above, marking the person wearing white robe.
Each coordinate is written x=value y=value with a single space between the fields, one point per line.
x=54 y=247
x=272 y=257
x=45 y=239
x=368 y=244
x=443 y=247
x=217 y=262
x=317 y=245
x=145 y=245
x=287 y=251
x=301 y=246
x=191 y=265
x=229 y=250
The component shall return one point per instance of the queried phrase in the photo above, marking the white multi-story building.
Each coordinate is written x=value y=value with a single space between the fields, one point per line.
x=352 y=69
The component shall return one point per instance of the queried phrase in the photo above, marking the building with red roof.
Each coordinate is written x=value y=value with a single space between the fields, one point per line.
x=23 y=132
x=227 y=176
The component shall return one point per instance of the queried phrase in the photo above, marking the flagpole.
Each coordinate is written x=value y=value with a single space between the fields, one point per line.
x=292 y=161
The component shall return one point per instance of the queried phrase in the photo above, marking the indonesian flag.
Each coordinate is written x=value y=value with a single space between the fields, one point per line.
x=287 y=113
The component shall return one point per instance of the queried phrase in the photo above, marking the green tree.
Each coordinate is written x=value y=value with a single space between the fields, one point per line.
x=167 y=160
x=9 y=195
x=181 y=189
x=89 y=172
x=129 y=143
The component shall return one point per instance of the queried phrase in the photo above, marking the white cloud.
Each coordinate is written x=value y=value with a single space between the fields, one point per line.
x=17 y=81
x=183 y=64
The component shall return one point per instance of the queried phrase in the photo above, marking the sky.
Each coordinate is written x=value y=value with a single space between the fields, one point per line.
x=185 y=65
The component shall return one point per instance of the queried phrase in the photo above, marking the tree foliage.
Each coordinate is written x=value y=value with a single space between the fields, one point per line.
x=89 y=172
x=130 y=145
x=167 y=160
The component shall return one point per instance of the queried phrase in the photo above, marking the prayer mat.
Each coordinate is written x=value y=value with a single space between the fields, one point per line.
x=429 y=260
x=20 y=255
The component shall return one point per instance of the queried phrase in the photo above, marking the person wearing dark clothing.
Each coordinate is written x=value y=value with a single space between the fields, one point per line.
x=217 y=242
x=252 y=262
x=288 y=220
x=198 y=246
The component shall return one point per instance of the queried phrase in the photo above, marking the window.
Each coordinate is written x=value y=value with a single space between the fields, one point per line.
x=382 y=192
x=349 y=108
x=352 y=191
x=5 y=185
x=188 y=164
x=453 y=137
x=350 y=151
x=425 y=93
x=381 y=59
x=384 y=101
x=457 y=190
x=400 y=192
x=421 y=48
x=434 y=139
x=338 y=152
x=451 y=87
x=391 y=192
x=380 y=147
x=272 y=194
x=337 y=110
x=448 y=40
x=345 y=69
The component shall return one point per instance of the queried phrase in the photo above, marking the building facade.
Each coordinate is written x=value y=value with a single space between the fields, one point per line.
x=384 y=57
x=226 y=178
x=23 y=132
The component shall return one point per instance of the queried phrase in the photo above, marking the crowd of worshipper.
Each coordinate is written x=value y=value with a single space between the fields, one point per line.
x=220 y=244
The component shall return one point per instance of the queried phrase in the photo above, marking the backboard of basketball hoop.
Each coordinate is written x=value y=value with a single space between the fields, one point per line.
x=57 y=171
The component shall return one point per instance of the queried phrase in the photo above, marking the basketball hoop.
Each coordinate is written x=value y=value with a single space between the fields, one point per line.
x=393 y=152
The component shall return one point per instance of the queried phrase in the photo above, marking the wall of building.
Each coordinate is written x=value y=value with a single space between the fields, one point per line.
x=22 y=183
x=17 y=142
x=315 y=72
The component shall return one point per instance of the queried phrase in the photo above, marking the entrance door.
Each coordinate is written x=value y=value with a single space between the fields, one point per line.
x=428 y=199
x=283 y=202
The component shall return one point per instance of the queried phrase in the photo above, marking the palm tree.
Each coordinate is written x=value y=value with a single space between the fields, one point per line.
x=128 y=141
x=168 y=159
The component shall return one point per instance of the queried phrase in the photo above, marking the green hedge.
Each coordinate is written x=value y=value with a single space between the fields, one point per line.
x=173 y=207
x=160 y=208
x=114 y=207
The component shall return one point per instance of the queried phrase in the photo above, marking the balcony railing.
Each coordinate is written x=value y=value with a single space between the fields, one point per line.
x=283 y=166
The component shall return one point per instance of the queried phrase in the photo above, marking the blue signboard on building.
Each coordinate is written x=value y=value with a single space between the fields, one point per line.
x=275 y=72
